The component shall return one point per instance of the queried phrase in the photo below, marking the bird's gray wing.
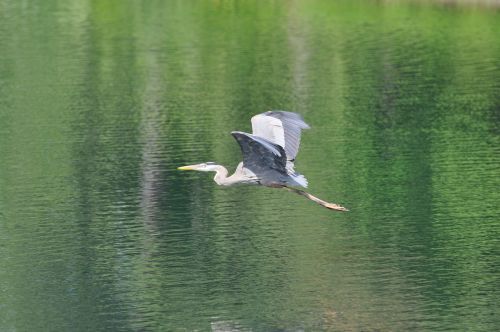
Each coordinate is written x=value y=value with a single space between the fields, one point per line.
x=259 y=155
x=281 y=128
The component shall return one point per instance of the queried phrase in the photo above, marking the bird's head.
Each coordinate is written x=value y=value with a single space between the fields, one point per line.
x=203 y=167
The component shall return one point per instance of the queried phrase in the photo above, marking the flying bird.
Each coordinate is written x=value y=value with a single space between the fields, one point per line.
x=268 y=156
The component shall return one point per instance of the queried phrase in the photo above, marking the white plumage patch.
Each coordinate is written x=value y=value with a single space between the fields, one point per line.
x=269 y=128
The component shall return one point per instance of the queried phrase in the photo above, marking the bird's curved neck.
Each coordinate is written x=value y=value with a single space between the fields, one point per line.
x=221 y=177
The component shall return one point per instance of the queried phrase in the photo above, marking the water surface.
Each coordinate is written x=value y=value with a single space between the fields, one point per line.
x=100 y=101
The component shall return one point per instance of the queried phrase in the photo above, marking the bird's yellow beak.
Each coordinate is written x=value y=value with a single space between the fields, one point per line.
x=186 y=168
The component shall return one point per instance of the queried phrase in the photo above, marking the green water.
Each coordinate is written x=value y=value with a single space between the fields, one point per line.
x=100 y=101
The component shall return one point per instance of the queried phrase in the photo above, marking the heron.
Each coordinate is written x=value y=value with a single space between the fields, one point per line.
x=268 y=156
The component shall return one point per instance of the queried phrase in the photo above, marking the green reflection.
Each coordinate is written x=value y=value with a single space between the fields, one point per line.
x=100 y=101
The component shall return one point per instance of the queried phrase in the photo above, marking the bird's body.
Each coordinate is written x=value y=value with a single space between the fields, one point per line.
x=268 y=155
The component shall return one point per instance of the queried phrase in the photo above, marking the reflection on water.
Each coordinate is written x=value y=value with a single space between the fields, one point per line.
x=100 y=101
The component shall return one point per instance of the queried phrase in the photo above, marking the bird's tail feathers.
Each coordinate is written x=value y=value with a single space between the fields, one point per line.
x=301 y=180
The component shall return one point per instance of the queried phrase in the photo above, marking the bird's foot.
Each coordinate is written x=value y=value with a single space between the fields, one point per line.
x=335 y=207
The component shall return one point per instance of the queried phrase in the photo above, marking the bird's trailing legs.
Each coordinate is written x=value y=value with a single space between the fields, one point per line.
x=331 y=206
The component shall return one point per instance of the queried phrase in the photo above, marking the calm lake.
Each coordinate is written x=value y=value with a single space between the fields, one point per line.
x=101 y=101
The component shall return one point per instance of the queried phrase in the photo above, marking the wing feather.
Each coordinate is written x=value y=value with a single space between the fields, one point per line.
x=281 y=128
x=259 y=155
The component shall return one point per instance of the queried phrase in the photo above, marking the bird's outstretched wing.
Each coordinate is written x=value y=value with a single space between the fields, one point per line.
x=281 y=128
x=260 y=155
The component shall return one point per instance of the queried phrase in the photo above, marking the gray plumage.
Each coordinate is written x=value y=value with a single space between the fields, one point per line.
x=268 y=155
x=264 y=159
x=270 y=151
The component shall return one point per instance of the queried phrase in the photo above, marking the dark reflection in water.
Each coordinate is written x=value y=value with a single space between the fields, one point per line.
x=100 y=101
